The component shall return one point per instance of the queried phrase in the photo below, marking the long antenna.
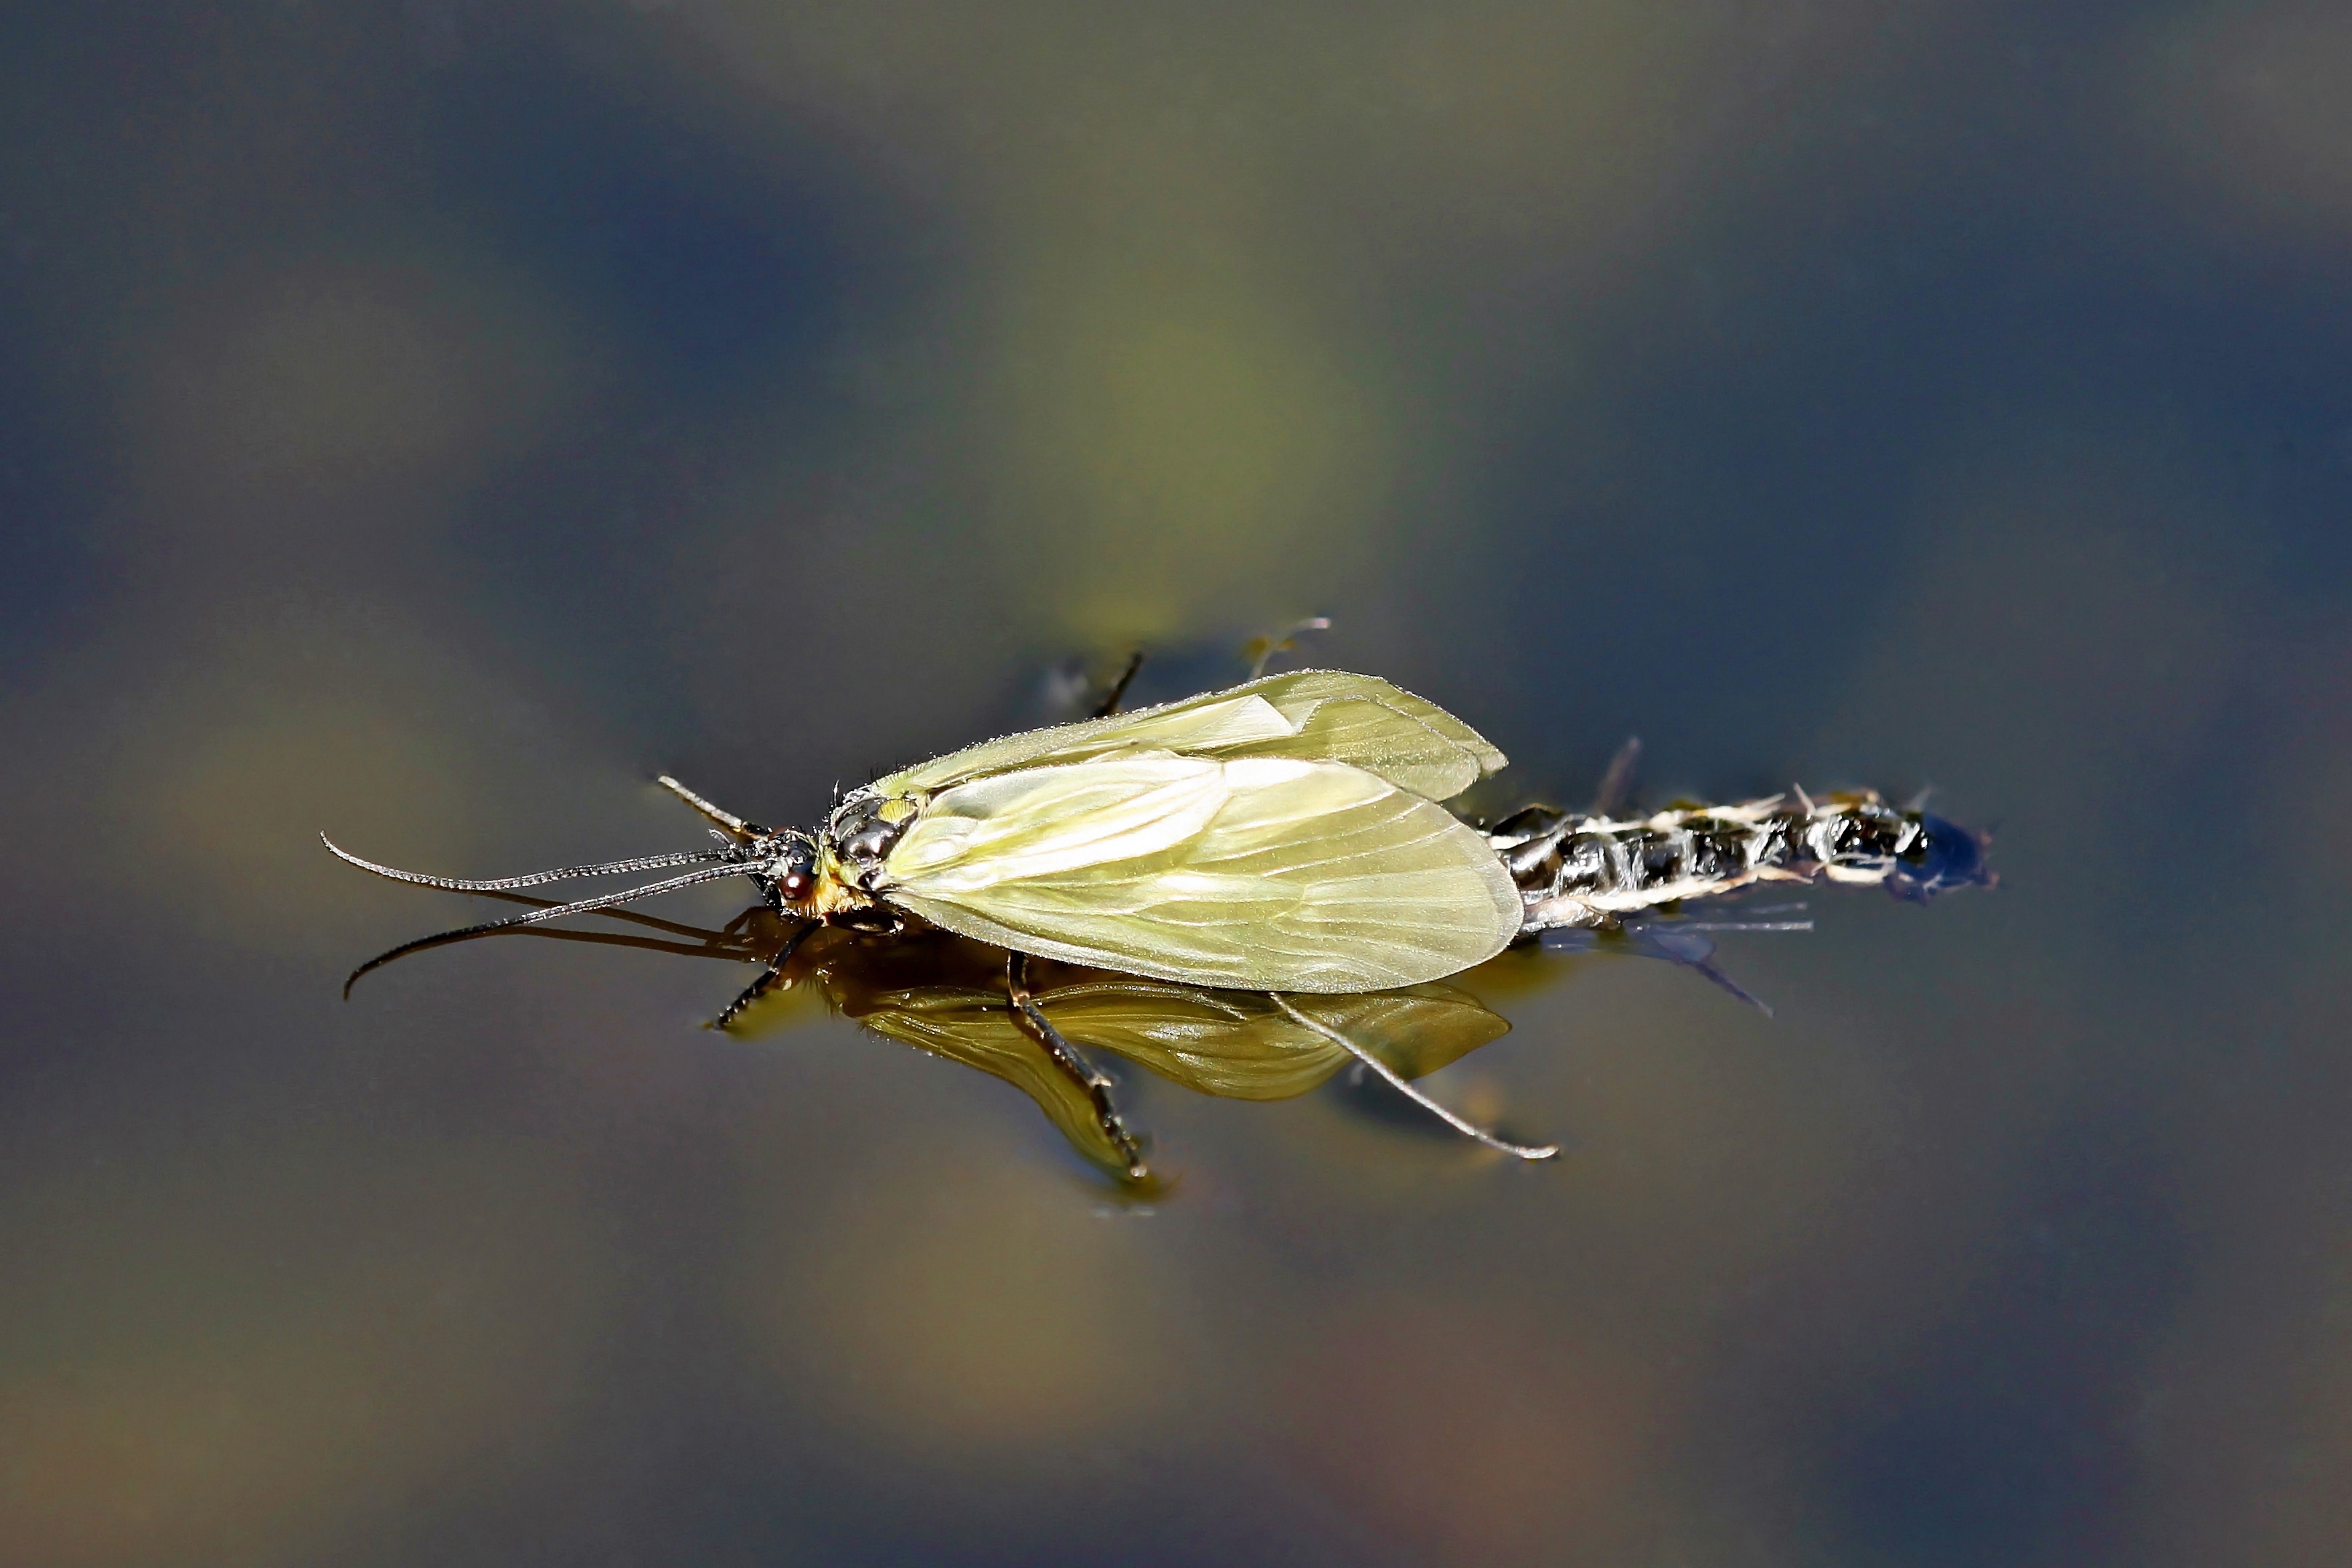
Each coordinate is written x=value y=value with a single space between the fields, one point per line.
x=553 y=912
x=532 y=878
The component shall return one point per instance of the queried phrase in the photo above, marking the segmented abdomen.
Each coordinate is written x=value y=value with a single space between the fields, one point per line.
x=1579 y=870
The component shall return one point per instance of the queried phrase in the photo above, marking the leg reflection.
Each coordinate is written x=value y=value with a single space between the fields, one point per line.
x=1088 y=1077
x=768 y=978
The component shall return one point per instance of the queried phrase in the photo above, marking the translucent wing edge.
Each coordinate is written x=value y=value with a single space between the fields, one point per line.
x=1296 y=692
x=1293 y=696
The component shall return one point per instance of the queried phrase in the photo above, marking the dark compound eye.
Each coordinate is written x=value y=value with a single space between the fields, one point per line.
x=796 y=875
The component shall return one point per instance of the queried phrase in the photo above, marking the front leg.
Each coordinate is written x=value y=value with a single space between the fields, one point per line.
x=769 y=975
x=734 y=824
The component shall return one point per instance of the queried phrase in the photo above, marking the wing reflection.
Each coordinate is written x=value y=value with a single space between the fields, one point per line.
x=947 y=995
x=1237 y=1044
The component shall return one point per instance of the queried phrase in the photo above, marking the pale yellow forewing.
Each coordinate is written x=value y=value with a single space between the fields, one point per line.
x=1042 y=820
x=1320 y=715
x=1414 y=745
x=1264 y=874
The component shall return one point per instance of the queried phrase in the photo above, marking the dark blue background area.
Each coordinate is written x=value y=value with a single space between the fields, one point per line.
x=49 y=566
x=726 y=288
x=718 y=274
x=2016 y=1437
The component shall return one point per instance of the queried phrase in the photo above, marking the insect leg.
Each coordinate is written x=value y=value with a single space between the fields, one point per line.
x=768 y=976
x=1088 y=1077
x=1618 y=780
x=1686 y=943
x=1118 y=693
x=1397 y=1082
x=727 y=819
x=1259 y=649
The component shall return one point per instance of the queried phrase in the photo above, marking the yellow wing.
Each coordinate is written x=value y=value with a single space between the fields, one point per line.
x=1265 y=874
x=1321 y=715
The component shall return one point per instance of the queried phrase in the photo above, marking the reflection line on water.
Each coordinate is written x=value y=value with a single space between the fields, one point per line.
x=552 y=912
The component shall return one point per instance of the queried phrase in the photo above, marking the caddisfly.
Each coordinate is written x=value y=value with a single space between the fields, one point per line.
x=1286 y=835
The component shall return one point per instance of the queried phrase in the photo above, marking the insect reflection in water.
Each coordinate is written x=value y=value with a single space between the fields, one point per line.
x=1268 y=868
x=946 y=995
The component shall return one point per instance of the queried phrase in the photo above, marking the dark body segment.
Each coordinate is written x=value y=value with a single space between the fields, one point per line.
x=1577 y=869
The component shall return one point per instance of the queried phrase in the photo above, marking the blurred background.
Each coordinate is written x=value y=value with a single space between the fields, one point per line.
x=428 y=421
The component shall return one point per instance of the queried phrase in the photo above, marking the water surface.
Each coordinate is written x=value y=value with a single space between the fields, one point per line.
x=430 y=422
